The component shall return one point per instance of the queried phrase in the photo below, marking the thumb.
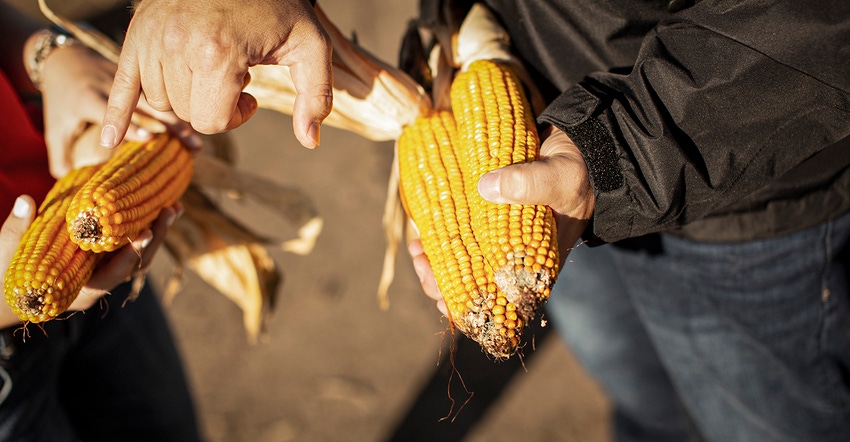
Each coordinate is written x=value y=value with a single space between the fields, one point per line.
x=526 y=183
x=559 y=179
x=16 y=224
x=312 y=76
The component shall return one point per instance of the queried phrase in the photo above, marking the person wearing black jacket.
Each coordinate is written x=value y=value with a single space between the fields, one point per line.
x=715 y=139
x=706 y=141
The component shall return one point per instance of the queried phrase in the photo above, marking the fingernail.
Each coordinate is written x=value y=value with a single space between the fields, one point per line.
x=489 y=187
x=314 y=134
x=21 y=208
x=179 y=208
x=171 y=217
x=108 y=135
x=146 y=242
x=141 y=133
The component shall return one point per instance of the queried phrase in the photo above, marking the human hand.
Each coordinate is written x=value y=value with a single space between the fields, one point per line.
x=75 y=87
x=558 y=179
x=192 y=57
x=118 y=267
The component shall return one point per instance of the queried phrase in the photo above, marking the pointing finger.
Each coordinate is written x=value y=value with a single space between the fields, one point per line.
x=122 y=99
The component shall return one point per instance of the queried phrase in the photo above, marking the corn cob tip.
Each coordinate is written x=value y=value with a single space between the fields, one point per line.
x=85 y=227
x=37 y=305
x=497 y=320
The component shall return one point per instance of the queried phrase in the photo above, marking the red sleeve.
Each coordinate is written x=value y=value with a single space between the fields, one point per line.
x=23 y=154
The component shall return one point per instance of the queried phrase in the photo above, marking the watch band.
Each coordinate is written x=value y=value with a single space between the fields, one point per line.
x=46 y=41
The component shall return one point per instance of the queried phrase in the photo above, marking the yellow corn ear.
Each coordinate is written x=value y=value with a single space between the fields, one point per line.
x=48 y=271
x=495 y=264
x=434 y=195
x=127 y=194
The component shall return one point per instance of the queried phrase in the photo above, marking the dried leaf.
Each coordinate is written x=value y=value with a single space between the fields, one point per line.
x=371 y=98
x=291 y=204
x=227 y=256
x=246 y=274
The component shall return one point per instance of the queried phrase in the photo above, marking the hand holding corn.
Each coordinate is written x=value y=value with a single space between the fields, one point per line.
x=494 y=264
x=558 y=179
x=92 y=210
x=114 y=270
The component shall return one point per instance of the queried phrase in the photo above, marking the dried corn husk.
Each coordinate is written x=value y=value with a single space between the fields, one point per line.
x=371 y=98
x=226 y=255
x=289 y=203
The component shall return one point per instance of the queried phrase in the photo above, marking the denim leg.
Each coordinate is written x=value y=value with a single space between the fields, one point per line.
x=754 y=334
x=592 y=312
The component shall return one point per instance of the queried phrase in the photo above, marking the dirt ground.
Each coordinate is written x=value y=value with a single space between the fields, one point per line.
x=334 y=366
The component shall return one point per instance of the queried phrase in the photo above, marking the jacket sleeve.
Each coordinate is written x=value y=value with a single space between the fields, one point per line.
x=723 y=98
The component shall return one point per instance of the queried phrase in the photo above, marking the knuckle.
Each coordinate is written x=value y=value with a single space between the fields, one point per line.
x=211 y=54
x=118 y=108
x=174 y=37
x=312 y=35
x=159 y=104
x=124 y=80
x=324 y=43
x=181 y=113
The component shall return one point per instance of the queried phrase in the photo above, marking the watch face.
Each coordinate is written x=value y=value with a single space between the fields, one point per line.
x=61 y=40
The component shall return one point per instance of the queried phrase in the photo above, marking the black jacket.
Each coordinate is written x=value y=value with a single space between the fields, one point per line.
x=721 y=121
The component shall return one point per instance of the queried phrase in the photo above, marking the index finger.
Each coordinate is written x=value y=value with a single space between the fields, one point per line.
x=123 y=97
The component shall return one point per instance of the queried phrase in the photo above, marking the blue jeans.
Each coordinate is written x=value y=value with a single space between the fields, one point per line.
x=111 y=374
x=755 y=335
x=592 y=312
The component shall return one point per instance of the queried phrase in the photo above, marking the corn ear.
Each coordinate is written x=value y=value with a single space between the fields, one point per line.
x=494 y=263
x=126 y=195
x=48 y=271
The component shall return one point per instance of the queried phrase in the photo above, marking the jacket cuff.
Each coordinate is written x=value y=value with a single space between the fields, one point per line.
x=573 y=112
x=578 y=113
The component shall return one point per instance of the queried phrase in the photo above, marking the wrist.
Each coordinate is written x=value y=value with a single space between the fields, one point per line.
x=38 y=47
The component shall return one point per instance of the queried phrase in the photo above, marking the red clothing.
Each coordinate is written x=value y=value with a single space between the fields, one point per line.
x=23 y=154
